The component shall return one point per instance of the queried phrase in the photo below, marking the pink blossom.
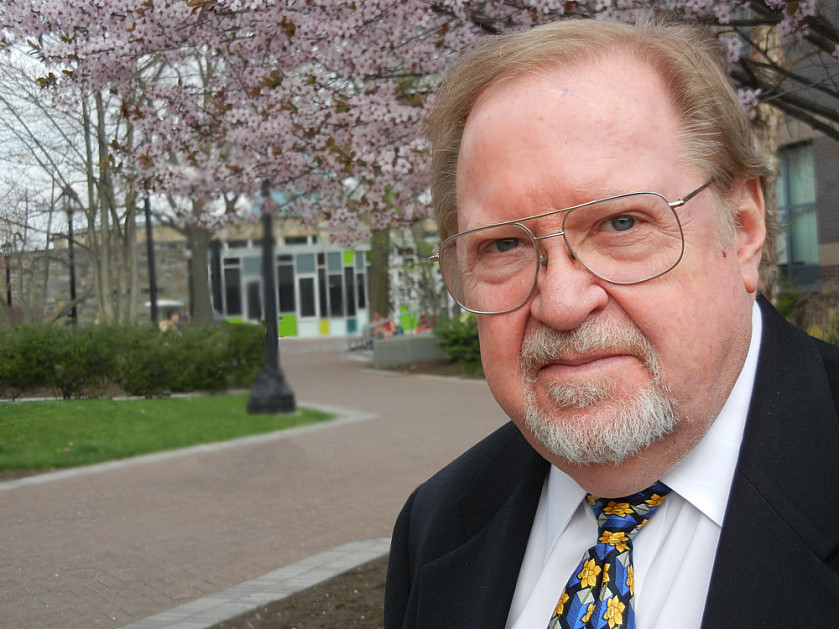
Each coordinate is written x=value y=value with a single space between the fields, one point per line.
x=750 y=99
x=309 y=95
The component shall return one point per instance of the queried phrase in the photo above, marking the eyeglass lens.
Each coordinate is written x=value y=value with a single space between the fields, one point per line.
x=625 y=240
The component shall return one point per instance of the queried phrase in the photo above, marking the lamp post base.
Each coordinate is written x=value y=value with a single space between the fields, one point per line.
x=270 y=394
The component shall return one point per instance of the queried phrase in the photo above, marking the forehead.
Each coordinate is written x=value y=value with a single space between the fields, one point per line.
x=556 y=137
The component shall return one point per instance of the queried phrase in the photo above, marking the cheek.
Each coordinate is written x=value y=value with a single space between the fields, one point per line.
x=501 y=338
x=701 y=304
x=687 y=318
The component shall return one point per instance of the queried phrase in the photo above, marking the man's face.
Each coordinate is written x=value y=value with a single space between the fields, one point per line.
x=588 y=360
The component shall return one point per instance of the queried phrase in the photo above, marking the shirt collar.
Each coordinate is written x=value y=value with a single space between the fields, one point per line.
x=704 y=476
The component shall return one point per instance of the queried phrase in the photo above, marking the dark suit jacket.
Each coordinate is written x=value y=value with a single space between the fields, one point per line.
x=459 y=542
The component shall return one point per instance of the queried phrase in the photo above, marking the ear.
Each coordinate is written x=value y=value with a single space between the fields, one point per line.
x=750 y=229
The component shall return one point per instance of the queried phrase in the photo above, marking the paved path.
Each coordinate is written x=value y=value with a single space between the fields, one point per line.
x=112 y=545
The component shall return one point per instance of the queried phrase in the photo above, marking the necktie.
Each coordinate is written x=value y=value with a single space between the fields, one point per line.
x=600 y=591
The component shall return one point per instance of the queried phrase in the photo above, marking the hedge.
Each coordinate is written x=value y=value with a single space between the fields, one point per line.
x=457 y=339
x=79 y=361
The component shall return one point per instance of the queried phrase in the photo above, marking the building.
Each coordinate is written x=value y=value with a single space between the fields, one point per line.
x=808 y=207
x=321 y=287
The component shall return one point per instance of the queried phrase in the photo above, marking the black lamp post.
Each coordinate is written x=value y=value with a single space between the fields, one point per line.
x=74 y=312
x=270 y=392
x=7 y=250
x=150 y=257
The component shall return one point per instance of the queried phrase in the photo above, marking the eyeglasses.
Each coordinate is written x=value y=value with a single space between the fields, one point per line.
x=624 y=239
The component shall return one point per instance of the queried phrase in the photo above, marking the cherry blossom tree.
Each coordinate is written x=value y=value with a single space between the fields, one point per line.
x=325 y=99
x=322 y=95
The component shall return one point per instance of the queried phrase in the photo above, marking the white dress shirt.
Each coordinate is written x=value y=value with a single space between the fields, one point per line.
x=673 y=555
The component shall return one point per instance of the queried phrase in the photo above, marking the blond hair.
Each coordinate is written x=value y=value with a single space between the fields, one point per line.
x=716 y=135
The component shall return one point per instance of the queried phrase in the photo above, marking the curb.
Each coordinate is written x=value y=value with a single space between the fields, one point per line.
x=273 y=586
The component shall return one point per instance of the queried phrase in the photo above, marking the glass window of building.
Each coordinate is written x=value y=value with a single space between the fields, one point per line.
x=349 y=282
x=254 y=293
x=232 y=292
x=796 y=193
x=307 y=296
x=285 y=287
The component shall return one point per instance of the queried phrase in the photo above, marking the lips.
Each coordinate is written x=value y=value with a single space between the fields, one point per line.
x=587 y=366
x=576 y=361
x=590 y=348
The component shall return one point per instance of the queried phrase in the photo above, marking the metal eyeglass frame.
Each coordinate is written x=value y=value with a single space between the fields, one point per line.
x=542 y=257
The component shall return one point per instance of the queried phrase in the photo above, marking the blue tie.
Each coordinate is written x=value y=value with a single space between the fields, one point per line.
x=600 y=592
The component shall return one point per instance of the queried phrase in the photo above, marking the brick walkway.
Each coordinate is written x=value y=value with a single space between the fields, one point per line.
x=115 y=544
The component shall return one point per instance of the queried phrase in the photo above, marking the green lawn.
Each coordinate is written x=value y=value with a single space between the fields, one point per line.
x=58 y=434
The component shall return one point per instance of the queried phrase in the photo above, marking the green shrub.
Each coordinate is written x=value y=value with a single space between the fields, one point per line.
x=788 y=302
x=814 y=311
x=69 y=360
x=244 y=351
x=76 y=361
x=826 y=328
x=200 y=356
x=191 y=359
x=26 y=361
x=82 y=360
x=147 y=363
x=457 y=339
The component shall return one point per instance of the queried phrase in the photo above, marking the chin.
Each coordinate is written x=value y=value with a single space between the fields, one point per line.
x=605 y=431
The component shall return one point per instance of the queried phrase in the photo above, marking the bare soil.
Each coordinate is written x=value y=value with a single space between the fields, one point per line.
x=352 y=599
x=437 y=367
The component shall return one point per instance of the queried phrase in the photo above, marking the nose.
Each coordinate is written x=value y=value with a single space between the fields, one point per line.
x=566 y=293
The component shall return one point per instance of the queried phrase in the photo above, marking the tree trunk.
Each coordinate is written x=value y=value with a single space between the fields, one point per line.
x=379 y=279
x=199 y=278
x=128 y=275
x=113 y=236
x=42 y=295
x=98 y=240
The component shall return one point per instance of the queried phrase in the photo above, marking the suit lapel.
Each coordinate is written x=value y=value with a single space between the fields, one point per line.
x=473 y=585
x=779 y=537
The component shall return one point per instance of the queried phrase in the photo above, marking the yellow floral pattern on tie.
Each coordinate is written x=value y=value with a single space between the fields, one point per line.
x=655 y=500
x=560 y=606
x=617 y=539
x=614 y=612
x=588 y=575
x=620 y=509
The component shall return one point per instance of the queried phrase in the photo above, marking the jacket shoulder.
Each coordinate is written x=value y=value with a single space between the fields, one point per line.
x=456 y=502
x=462 y=534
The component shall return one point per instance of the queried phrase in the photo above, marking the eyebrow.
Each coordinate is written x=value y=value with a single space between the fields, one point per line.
x=673 y=204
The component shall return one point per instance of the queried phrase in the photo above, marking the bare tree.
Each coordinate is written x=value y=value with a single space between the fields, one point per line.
x=65 y=153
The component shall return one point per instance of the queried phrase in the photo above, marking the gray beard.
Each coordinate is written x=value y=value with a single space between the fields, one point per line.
x=609 y=425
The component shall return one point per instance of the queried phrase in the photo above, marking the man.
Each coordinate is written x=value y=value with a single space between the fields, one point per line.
x=601 y=203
